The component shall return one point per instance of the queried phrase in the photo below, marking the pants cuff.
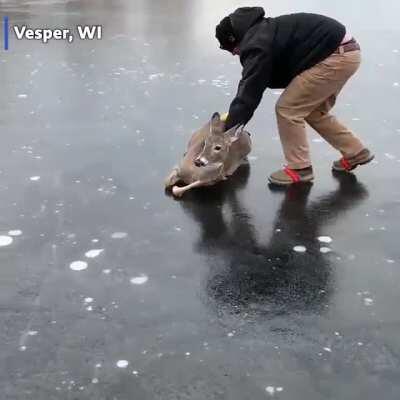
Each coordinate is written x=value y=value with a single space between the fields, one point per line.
x=299 y=165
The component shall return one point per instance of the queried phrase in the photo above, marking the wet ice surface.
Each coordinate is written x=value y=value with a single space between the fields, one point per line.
x=202 y=298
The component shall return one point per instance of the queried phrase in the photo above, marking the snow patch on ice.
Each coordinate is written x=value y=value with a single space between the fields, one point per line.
x=325 y=239
x=139 y=280
x=300 y=249
x=5 y=241
x=93 y=253
x=119 y=235
x=15 y=232
x=78 y=265
x=390 y=156
x=155 y=76
x=368 y=301
x=272 y=389
x=88 y=300
x=122 y=363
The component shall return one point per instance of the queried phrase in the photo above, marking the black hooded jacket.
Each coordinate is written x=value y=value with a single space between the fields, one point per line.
x=275 y=50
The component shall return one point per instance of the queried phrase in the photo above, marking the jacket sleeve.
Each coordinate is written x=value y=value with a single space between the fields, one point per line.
x=257 y=67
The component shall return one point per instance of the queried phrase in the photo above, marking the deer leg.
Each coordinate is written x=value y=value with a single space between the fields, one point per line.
x=233 y=167
x=179 y=191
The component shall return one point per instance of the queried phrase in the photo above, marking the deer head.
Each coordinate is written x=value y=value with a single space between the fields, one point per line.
x=217 y=143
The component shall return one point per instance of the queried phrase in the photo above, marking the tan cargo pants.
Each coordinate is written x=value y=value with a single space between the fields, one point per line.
x=309 y=98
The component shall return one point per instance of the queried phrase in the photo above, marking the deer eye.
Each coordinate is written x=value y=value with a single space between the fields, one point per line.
x=217 y=147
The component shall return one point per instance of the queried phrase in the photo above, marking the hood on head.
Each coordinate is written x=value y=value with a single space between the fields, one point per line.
x=243 y=19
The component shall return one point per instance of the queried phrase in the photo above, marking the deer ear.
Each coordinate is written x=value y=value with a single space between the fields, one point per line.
x=235 y=132
x=216 y=125
x=231 y=131
x=215 y=119
x=234 y=139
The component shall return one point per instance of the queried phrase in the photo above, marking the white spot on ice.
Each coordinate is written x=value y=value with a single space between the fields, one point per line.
x=389 y=261
x=230 y=334
x=325 y=250
x=300 y=249
x=22 y=96
x=93 y=253
x=34 y=178
x=5 y=240
x=98 y=365
x=395 y=84
x=15 y=232
x=360 y=343
x=187 y=354
x=22 y=348
x=95 y=380
x=90 y=308
x=325 y=239
x=135 y=372
x=122 y=363
x=155 y=76
x=139 y=280
x=32 y=333
x=95 y=240
x=88 y=300
x=201 y=81
x=328 y=349
x=368 y=301
x=390 y=156
x=270 y=390
x=78 y=265
x=106 y=271
x=119 y=235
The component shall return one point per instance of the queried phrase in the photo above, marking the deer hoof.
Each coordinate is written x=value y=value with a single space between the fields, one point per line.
x=177 y=191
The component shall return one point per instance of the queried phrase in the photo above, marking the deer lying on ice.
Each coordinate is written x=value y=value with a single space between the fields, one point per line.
x=212 y=155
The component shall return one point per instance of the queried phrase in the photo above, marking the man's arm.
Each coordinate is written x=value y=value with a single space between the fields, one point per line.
x=256 y=74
